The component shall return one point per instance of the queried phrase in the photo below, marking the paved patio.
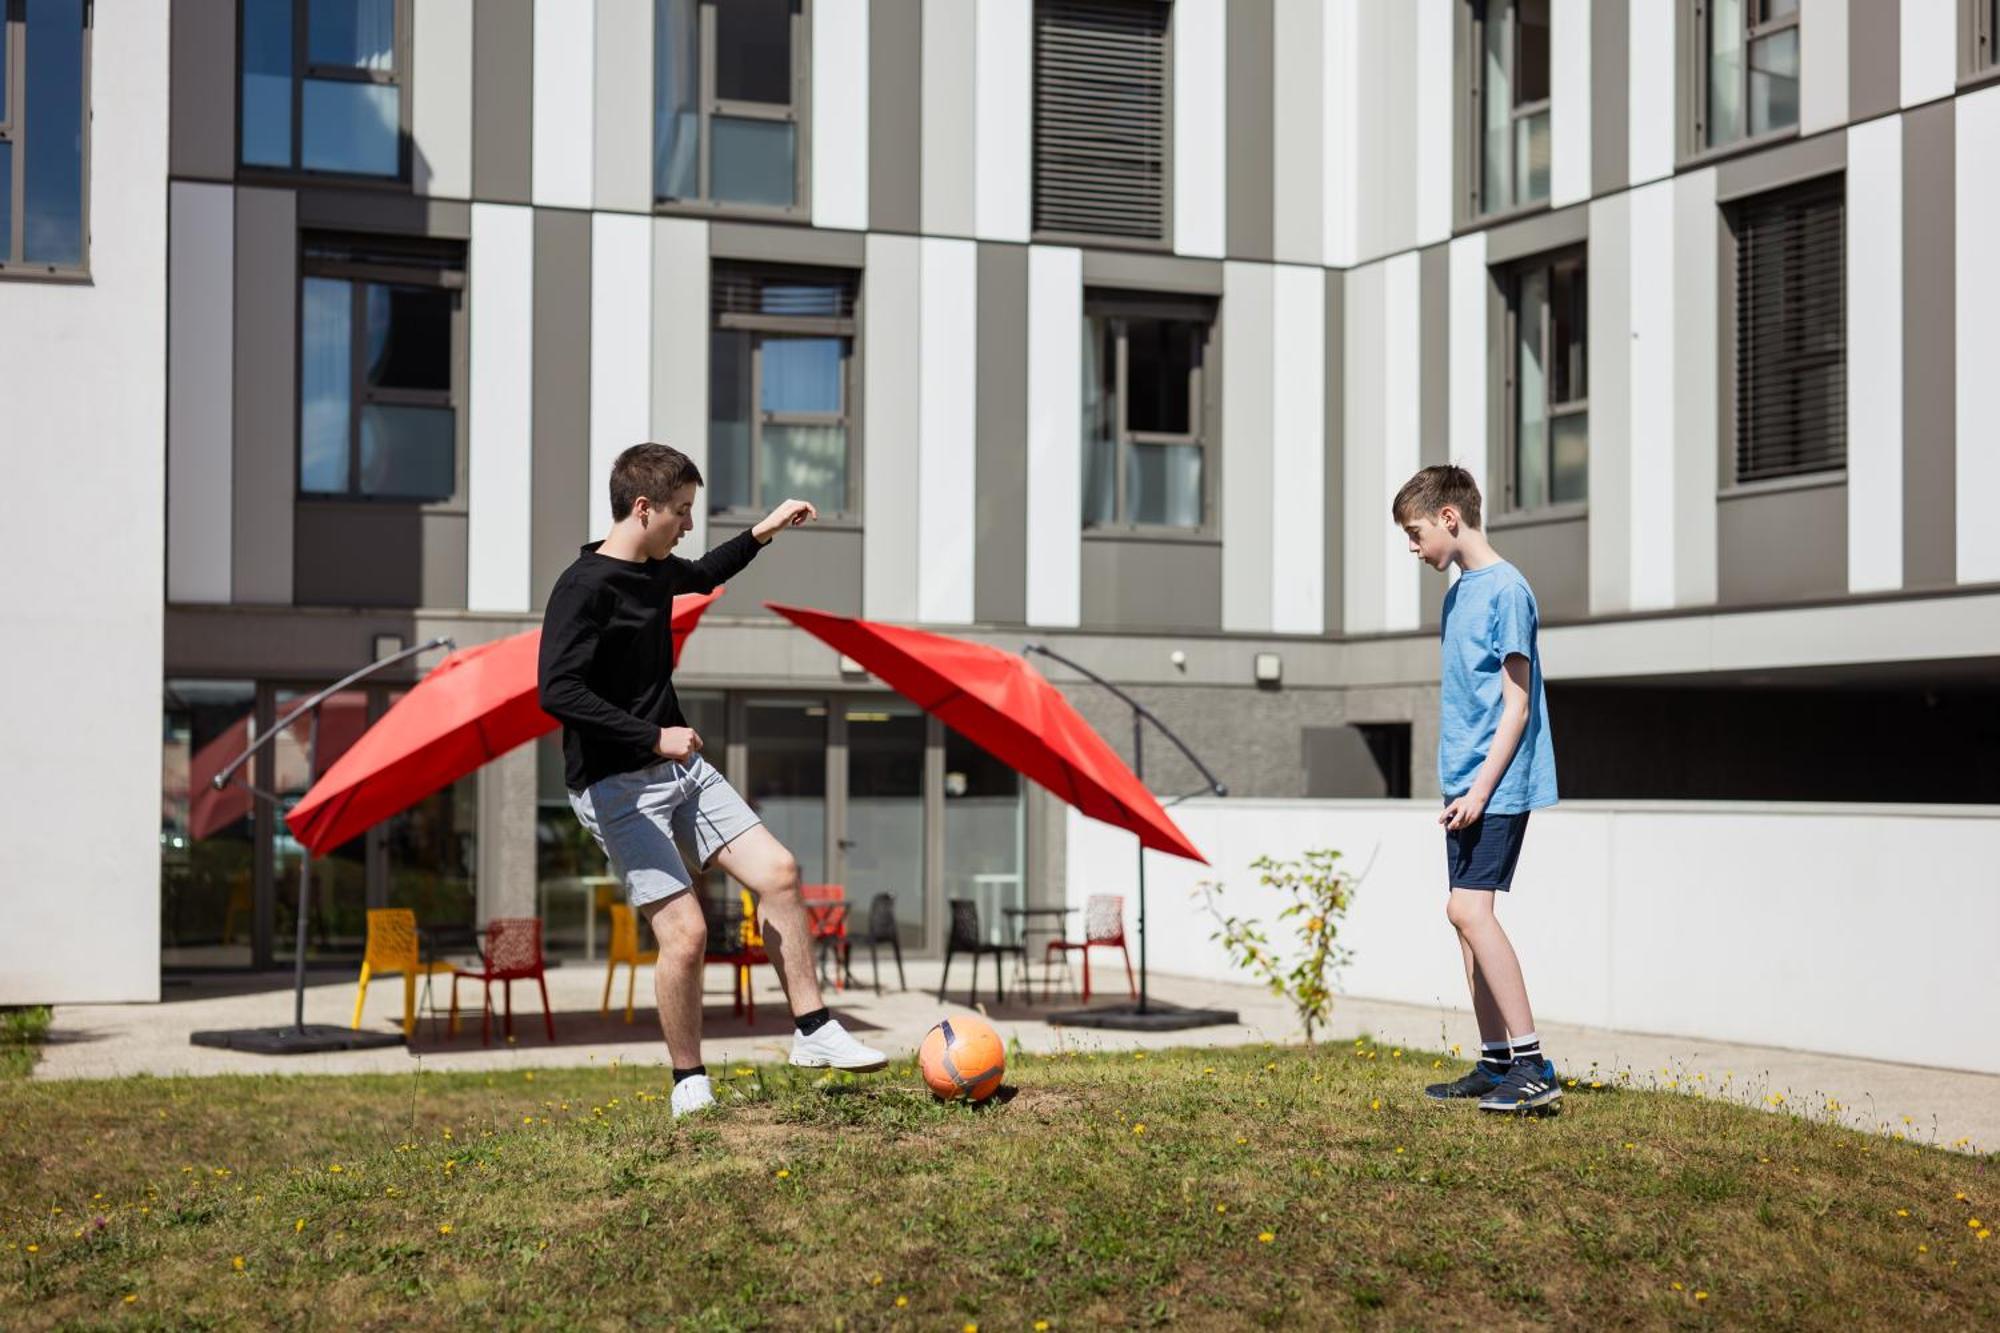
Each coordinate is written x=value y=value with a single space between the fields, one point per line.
x=1948 y=1107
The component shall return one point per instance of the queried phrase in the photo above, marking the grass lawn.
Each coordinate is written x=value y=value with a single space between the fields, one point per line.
x=1208 y=1188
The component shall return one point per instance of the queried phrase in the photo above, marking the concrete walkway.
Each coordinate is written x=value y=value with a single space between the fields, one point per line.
x=1946 y=1107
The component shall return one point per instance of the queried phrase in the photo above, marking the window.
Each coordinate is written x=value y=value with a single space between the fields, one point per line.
x=323 y=87
x=1100 y=118
x=1748 y=85
x=781 y=388
x=1791 y=342
x=729 y=92
x=1548 y=387
x=1979 y=38
x=44 y=133
x=381 y=348
x=1510 y=104
x=1145 y=459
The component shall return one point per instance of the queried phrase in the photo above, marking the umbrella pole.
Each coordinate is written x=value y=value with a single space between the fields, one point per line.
x=1139 y=772
x=305 y=886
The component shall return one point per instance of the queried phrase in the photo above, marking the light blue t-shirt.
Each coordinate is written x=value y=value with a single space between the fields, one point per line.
x=1489 y=615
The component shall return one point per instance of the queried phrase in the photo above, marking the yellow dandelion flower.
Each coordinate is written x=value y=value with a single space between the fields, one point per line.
x=1041 y=1326
x=131 y=1297
x=1701 y=1295
x=1375 y=1105
x=529 y=1076
x=34 y=1249
x=874 y=1279
x=1923 y=1249
x=237 y=1263
x=298 y=1226
x=1902 y=1212
x=1678 y=1287
x=336 y=1168
x=1138 y=1129
x=1974 y=1223
x=902 y=1301
x=444 y=1228
x=1960 y=1196
x=1631 y=1145
x=1396 y=1054
x=784 y=1174
x=1982 y=1233
x=1241 y=1141
x=971 y=1327
x=527 y=1120
x=1266 y=1237
x=1399 y=1152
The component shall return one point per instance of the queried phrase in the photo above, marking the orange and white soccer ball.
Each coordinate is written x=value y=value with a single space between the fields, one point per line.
x=963 y=1057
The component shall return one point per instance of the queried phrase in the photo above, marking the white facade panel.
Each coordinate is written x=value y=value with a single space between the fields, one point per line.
x=1466 y=411
x=947 y=415
x=1201 y=122
x=441 y=99
x=1569 y=101
x=1341 y=110
x=201 y=341
x=1298 y=450
x=840 y=114
x=1364 y=474
x=1650 y=108
x=1431 y=81
x=621 y=348
x=949 y=156
x=1055 y=435
x=565 y=111
x=1610 y=332
x=500 y=420
x=1823 y=72
x=892 y=323
x=623 y=130
x=1928 y=51
x=1650 y=528
x=1003 y=120
x=1696 y=409
x=1875 y=355
x=1247 y=428
x=1978 y=170
x=680 y=348
x=1297 y=124
x=1402 y=435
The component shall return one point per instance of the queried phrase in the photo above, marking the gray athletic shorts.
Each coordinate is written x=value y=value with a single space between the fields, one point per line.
x=638 y=818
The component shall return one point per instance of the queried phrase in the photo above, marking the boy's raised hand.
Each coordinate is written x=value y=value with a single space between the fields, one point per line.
x=790 y=514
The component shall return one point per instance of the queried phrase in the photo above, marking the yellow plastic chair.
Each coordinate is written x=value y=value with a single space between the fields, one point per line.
x=392 y=947
x=624 y=949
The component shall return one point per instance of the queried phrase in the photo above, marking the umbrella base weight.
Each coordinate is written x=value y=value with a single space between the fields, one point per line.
x=312 y=1039
x=1155 y=1018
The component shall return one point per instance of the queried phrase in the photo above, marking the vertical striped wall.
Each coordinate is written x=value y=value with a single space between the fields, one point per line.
x=892 y=320
x=441 y=99
x=1299 y=551
x=1298 y=124
x=950 y=69
x=1609 y=293
x=840 y=114
x=1650 y=69
x=200 y=389
x=1003 y=121
x=1247 y=428
x=1340 y=106
x=1650 y=522
x=500 y=423
x=1381 y=444
x=947 y=417
x=564 y=104
x=621 y=341
x=1823 y=68
x=1875 y=355
x=1928 y=50
x=1978 y=329
x=1199 y=177
x=1431 y=162
x=1055 y=435
x=623 y=106
x=1569 y=101
x=679 y=372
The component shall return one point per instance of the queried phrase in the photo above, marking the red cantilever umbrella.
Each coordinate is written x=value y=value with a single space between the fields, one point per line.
x=476 y=705
x=1001 y=704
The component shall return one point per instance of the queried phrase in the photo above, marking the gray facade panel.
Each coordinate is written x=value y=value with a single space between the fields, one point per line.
x=1610 y=94
x=375 y=210
x=1930 y=351
x=786 y=245
x=1782 y=545
x=895 y=115
x=379 y=556
x=202 y=106
x=561 y=451
x=1249 y=139
x=1433 y=389
x=1784 y=164
x=1131 y=583
x=503 y=101
x=265 y=452
x=1555 y=557
x=1336 y=442
x=1138 y=271
x=1000 y=478
x=1874 y=58
x=816 y=567
x=1538 y=234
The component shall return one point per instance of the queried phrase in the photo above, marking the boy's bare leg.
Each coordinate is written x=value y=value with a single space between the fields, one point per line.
x=682 y=934
x=759 y=862
x=1492 y=953
x=1485 y=1009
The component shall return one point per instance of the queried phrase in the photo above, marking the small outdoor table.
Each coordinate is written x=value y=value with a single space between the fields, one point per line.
x=1050 y=921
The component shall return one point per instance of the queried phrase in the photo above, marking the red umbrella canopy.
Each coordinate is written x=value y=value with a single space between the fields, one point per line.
x=1001 y=704
x=476 y=705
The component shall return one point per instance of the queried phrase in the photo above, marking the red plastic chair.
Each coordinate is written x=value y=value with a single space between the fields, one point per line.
x=1103 y=928
x=511 y=952
x=826 y=918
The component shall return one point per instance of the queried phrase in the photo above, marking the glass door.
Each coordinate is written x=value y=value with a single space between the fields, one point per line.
x=784 y=775
x=985 y=823
x=882 y=842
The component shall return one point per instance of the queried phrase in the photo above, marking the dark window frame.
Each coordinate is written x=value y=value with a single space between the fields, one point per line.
x=1511 y=286
x=762 y=325
x=1978 y=41
x=400 y=77
x=1163 y=239
x=359 y=274
x=1478 y=208
x=797 y=113
x=13 y=131
x=1203 y=417
x=1698 y=54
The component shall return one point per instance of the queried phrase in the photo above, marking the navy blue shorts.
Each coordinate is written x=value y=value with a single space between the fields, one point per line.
x=1483 y=855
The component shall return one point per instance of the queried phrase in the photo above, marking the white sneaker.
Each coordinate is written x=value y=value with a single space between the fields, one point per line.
x=833 y=1047
x=691 y=1095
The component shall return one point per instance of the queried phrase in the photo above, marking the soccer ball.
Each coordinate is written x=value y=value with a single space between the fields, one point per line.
x=963 y=1057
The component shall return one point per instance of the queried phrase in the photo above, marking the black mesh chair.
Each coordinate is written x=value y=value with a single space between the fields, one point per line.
x=966 y=937
x=882 y=930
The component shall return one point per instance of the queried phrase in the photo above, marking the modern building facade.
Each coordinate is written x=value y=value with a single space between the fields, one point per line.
x=1108 y=323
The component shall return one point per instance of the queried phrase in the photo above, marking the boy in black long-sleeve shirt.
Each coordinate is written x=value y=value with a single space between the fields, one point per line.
x=634 y=768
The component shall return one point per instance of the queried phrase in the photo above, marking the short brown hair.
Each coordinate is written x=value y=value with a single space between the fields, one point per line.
x=655 y=471
x=1432 y=489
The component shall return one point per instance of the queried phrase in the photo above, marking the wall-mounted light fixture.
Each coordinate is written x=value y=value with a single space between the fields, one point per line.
x=1270 y=669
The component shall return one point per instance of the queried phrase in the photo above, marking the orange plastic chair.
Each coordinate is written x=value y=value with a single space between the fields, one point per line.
x=1103 y=928
x=625 y=949
x=392 y=947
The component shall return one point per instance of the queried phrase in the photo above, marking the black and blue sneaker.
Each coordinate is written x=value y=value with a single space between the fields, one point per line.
x=1478 y=1081
x=1529 y=1085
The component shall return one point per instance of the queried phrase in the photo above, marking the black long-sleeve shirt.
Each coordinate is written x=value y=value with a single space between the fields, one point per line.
x=607 y=653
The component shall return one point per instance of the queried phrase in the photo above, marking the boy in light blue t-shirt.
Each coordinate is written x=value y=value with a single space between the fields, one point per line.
x=1496 y=764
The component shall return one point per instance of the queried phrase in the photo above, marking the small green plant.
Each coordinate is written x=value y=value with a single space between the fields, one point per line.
x=1318 y=892
x=21 y=1031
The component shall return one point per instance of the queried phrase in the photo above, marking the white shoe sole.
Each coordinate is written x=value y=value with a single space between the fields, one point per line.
x=814 y=1062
